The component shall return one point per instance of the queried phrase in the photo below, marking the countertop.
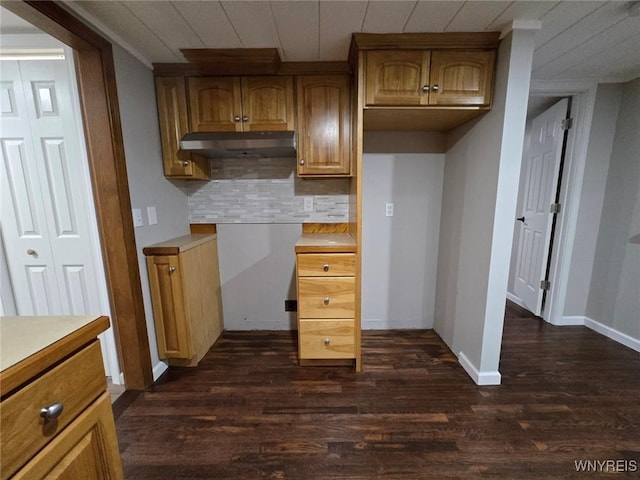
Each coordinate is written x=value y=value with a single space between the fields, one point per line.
x=30 y=342
x=325 y=243
x=179 y=244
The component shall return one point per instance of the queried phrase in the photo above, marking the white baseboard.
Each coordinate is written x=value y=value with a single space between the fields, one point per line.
x=607 y=331
x=481 y=378
x=159 y=369
x=515 y=299
x=375 y=324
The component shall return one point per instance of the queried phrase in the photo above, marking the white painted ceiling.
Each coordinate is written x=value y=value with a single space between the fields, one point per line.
x=579 y=40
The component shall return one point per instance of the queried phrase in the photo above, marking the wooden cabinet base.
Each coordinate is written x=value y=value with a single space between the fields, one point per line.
x=325 y=362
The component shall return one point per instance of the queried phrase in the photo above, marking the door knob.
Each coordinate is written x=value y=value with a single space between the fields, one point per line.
x=326 y=300
x=245 y=118
x=425 y=88
x=520 y=219
x=325 y=267
x=52 y=412
x=436 y=87
x=301 y=161
x=32 y=252
x=236 y=118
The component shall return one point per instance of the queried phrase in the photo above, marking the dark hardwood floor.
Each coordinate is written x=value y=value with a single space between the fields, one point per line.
x=249 y=412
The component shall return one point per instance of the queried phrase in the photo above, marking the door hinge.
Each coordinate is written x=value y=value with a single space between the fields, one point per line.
x=566 y=124
x=545 y=284
x=555 y=208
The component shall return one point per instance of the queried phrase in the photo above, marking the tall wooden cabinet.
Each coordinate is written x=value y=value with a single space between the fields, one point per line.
x=185 y=291
x=241 y=104
x=324 y=125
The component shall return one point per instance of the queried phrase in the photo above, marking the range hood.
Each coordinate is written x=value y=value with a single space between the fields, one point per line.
x=241 y=144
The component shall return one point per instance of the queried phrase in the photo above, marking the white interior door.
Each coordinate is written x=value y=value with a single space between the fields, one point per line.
x=48 y=226
x=542 y=166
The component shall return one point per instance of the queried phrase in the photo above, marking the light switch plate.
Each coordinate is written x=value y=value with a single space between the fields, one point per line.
x=152 y=215
x=137 y=217
x=388 y=210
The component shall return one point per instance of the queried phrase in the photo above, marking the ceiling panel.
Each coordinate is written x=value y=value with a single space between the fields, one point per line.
x=476 y=16
x=298 y=29
x=563 y=16
x=594 y=50
x=590 y=26
x=209 y=22
x=338 y=20
x=162 y=18
x=254 y=24
x=387 y=16
x=119 y=19
x=432 y=16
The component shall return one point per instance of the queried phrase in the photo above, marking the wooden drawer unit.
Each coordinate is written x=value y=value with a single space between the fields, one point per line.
x=330 y=338
x=328 y=297
x=326 y=265
x=75 y=383
x=326 y=282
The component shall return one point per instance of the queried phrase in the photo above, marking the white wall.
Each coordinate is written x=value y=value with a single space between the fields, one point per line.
x=600 y=145
x=147 y=184
x=400 y=253
x=257 y=274
x=614 y=293
x=482 y=170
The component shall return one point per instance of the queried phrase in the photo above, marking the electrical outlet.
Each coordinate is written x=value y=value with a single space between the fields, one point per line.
x=388 y=210
x=152 y=215
x=137 y=217
x=308 y=204
x=290 y=305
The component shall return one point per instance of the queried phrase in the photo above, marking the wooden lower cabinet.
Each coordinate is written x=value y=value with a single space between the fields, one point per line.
x=326 y=308
x=185 y=291
x=58 y=424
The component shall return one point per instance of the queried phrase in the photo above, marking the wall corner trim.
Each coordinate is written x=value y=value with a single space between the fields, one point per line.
x=480 y=378
x=159 y=369
x=520 y=25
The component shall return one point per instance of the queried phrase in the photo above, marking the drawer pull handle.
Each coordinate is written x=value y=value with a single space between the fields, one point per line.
x=325 y=267
x=326 y=300
x=52 y=412
x=171 y=269
x=327 y=341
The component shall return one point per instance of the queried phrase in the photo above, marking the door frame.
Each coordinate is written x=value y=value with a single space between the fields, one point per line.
x=582 y=106
x=96 y=80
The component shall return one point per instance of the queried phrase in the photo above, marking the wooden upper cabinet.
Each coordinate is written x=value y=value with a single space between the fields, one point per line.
x=429 y=78
x=461 y=77
x=241 y=104
x=397 y=77
x=174 y=123
x=324 y=125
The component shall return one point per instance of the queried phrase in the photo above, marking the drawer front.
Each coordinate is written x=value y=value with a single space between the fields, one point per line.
x=326 y=297
x=75 y=383
x=331 y=338
x=326 y=264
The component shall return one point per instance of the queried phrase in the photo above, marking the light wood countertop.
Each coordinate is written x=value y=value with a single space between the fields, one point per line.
x=326 y=243
x=179 y=244
x=30 y=344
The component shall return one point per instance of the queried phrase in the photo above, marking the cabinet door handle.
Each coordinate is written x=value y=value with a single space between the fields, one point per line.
x=325 y=267
x=327 y=341
x=52 y=412
x=172 y=269
x=245 y=118
x=236 y=118
x=185 y=163
x=301 y=161
x=426 y=88
x=32 y=252
x=436 y=87
x=326 y=300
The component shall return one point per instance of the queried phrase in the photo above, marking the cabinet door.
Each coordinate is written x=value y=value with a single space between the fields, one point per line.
x=461 y=77
x=267 y=103
x=396 y=77
x=324 y=125
x=168 y=306
x=215 y=104
x=174 y=123
x=88 y=448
